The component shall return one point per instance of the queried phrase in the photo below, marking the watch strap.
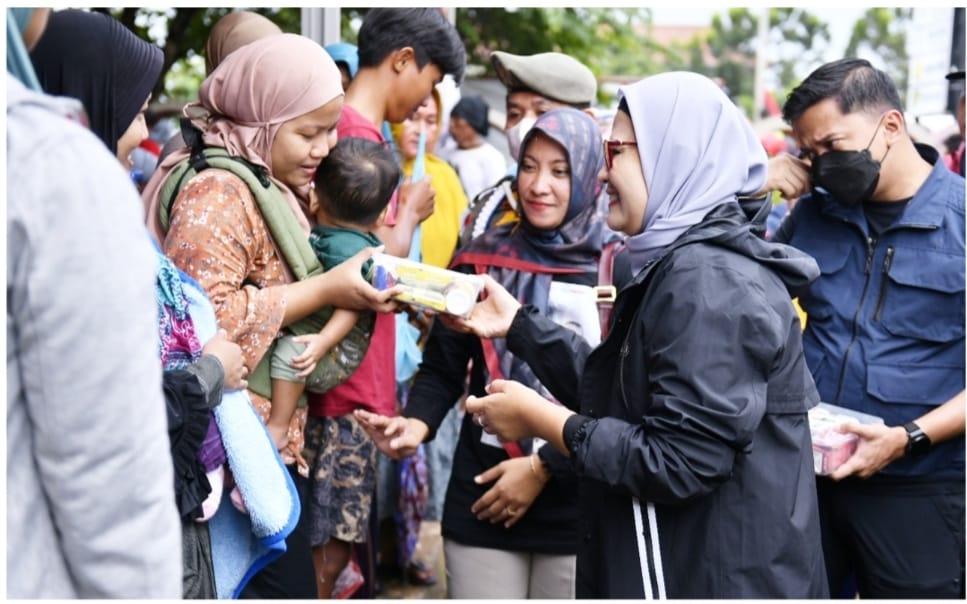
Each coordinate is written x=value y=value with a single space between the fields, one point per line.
x=918 y=442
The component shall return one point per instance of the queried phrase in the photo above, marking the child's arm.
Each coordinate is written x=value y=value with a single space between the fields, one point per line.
x=338 y=327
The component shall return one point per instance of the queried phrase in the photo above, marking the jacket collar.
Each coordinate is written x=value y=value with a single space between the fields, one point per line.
x=736 y=227
x=720 y=219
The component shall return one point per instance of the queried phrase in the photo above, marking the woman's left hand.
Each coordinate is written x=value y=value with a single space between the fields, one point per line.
x=508 y=410
x=512 y=494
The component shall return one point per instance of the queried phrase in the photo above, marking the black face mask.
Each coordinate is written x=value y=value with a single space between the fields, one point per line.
x=849 y=176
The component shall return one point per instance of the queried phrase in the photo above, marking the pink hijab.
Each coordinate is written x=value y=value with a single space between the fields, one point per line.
x=245 y=101
x=233 y=31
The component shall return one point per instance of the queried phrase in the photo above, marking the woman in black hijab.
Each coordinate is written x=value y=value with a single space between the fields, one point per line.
x=94 y=58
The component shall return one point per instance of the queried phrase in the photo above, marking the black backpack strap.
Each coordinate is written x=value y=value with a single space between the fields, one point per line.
x=261 y=173
x=193 y=140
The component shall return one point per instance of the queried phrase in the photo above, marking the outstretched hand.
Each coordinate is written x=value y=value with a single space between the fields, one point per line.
x=351 y=291
x=397 y=437
x=491 y=317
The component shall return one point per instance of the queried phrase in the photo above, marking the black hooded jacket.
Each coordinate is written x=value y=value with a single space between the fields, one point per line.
x=692 y=440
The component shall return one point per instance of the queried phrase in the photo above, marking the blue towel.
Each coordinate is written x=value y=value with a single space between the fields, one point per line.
x=243 y=544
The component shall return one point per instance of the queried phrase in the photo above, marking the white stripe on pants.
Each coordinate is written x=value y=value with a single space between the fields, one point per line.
x=480 y=572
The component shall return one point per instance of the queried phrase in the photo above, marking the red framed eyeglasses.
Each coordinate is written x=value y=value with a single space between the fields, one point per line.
x=610 y=146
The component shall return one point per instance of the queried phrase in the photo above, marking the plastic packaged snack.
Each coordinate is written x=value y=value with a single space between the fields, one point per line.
x=831 y=448
x=427 y=286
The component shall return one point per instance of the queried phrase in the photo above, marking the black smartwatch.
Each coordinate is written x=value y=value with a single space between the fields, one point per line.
x=918 y=442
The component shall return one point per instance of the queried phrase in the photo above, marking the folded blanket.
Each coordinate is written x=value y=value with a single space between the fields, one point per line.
x=243 y=544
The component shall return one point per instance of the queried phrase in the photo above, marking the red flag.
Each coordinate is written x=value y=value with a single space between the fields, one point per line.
x=770 y=104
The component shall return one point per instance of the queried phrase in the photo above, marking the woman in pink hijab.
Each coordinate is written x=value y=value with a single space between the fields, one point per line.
x=233 y=31
x=274 y=102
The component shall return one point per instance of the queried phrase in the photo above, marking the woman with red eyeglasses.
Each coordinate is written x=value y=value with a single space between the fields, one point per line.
x=687 y=425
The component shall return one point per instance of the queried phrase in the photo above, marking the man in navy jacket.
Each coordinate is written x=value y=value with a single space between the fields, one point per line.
x=885 y=331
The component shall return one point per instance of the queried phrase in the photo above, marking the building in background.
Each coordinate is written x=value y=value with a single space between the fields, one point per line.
x=935 y=45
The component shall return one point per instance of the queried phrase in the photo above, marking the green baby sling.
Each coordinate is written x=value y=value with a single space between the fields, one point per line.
x=341 y=361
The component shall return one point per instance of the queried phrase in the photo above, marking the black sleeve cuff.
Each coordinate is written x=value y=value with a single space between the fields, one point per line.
x=210 y=373
x=556 y=464
x=516 y=330
x=575 y=429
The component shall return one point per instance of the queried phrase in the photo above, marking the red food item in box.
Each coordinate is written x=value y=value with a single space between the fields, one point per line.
x=831 y=449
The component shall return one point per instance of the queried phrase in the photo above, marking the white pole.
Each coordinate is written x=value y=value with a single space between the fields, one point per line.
x=451 y=13
x=761 y=62
x=321 y=24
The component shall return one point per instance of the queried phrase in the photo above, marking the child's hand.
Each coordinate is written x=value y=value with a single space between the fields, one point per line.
x=307 y=360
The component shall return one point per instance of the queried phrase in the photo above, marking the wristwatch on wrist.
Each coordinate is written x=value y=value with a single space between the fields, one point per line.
x=918 y=442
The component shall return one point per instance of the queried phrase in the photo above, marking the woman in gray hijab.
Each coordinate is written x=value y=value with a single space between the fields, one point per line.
x=687 y=425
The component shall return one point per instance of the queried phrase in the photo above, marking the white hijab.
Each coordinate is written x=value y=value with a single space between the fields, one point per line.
x=697 y=152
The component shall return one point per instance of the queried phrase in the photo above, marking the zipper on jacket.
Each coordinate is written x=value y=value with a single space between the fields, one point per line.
x=868 y=270
x=622 y=357
x=870 y=243
x=883 y=284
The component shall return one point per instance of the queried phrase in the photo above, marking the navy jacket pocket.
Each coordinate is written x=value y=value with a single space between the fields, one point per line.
x=924 y=295
x=831 y=256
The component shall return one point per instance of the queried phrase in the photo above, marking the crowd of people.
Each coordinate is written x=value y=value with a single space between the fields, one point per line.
x=232 y=406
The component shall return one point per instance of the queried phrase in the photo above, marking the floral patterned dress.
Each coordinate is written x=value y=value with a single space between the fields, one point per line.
x=218 y=236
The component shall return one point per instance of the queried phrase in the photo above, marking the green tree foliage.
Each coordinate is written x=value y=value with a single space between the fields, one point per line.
x=611 y=41
x=608 y=40
x=797 y=39
x=181 y=33
x=881 y=32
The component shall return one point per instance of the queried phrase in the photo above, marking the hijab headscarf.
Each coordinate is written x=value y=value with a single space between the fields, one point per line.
x=439 y=232
x=697 y=152
x=233 y=31
x=18 y=61
x=344 y=52
x=522 y=257
x=94 y=58
x=245 y=101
